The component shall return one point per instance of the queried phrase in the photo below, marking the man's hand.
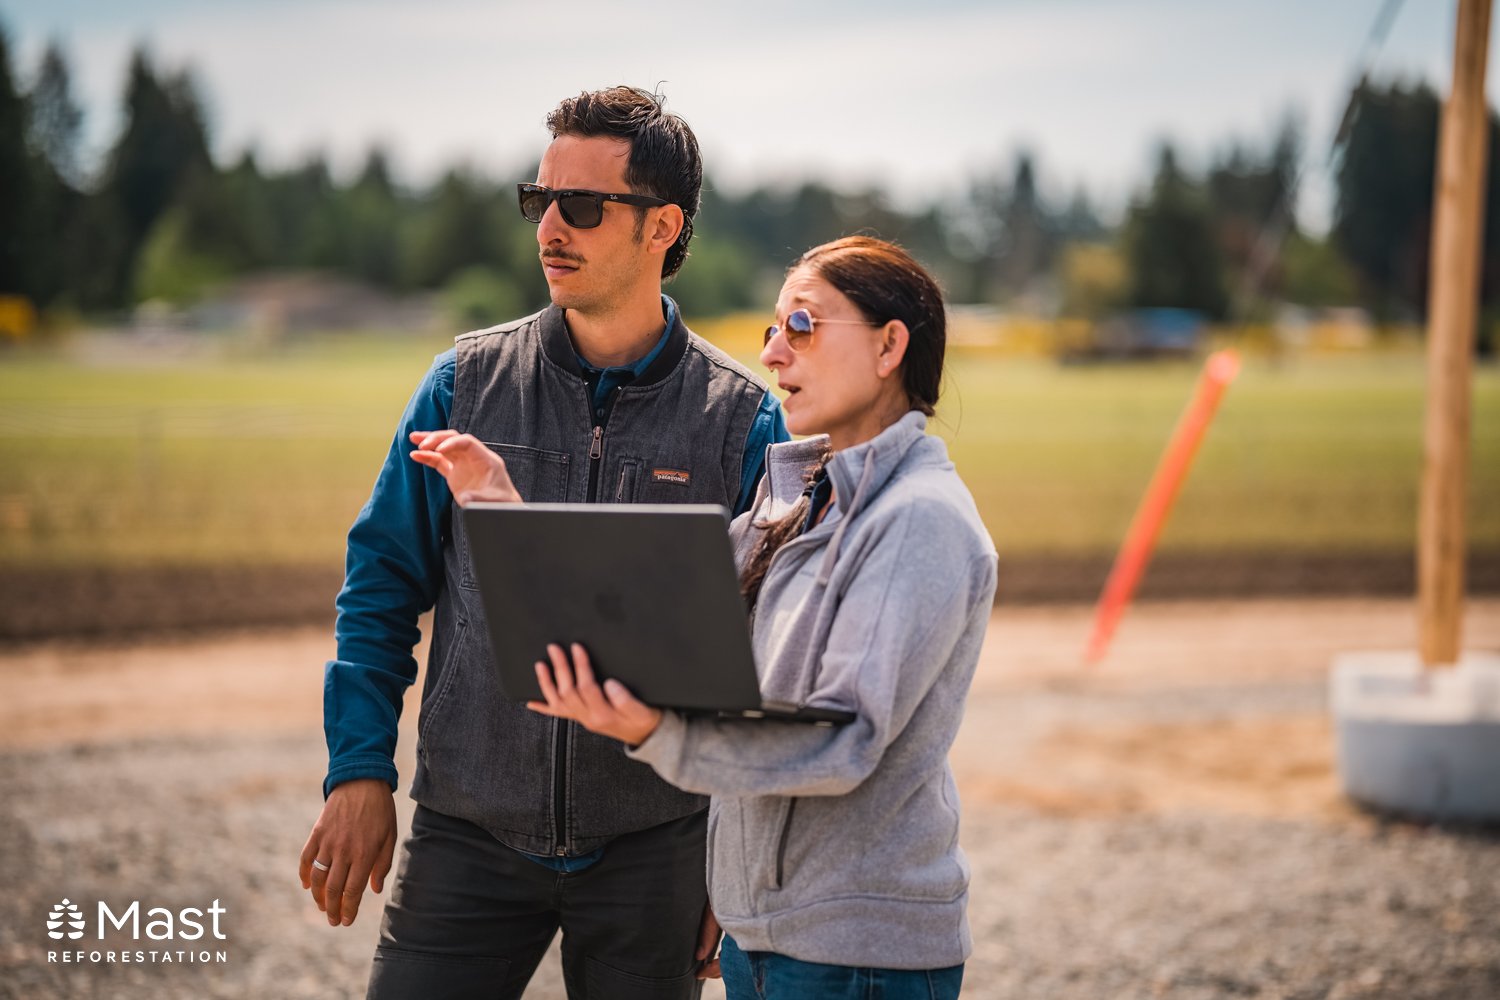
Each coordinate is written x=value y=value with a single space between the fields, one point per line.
x=353 y=842
x=708 y=945
x=473 y=471
x=572 y=693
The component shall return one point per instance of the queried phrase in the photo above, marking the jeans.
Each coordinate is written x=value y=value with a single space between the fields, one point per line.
x=471 y=918
x=764 y=975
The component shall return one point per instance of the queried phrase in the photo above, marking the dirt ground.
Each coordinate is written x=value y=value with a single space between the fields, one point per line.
x=113 y=603
x=1165 y=825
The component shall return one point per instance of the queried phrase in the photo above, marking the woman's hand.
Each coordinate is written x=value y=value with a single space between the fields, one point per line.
x=473 y=471
x=572 y=693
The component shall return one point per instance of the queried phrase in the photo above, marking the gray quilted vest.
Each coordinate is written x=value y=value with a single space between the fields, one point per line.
x=677 y=434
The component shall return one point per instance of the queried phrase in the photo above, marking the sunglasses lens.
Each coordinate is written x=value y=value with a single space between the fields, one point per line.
x=533 y=202
x=581 y=211
x=799 y=328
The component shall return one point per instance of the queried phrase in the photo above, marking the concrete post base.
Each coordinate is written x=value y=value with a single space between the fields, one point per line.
x=1417 y=742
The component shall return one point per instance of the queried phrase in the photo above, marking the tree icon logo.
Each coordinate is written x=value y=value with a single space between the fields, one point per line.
x=65 y=912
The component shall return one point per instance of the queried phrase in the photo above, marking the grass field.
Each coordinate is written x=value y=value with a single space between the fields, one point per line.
x=115 y=455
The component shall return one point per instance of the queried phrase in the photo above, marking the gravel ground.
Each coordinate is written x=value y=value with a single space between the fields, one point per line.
x=1166 y=826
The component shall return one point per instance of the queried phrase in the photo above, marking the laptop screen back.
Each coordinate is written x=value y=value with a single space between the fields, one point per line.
x=650 y=590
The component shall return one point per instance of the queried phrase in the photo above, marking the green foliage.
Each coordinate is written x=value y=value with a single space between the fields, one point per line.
x=1253 y=201
x=163 y=146
x=218 y=226
x=373 y=213
x=97 y=253
x=1016 y=236
x=718 y=277
x=173 y=266
x=1188 y=240
x=303 y=217
x=457 y=228
x=767 y=228
x=54 y=118
x=57 y=241
x=1314 y=274
x=480 y=296
x=1094 y=280
x=1382 y=218
x=1173 y=255
x=17 y=219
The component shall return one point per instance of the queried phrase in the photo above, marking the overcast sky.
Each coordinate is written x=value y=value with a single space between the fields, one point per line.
x=916 y=96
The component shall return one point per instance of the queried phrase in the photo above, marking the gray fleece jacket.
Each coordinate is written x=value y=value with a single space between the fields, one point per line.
x=841 y=845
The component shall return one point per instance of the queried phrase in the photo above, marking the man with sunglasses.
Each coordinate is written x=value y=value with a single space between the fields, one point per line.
x=525 y=825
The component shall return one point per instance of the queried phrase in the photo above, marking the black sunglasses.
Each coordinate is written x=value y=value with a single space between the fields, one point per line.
x=799 y=328
x=580 y=209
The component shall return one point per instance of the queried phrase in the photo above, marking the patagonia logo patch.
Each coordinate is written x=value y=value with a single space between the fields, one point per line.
x=679 y=476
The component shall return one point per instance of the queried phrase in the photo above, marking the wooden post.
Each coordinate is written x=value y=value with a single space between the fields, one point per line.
x=1452 y=312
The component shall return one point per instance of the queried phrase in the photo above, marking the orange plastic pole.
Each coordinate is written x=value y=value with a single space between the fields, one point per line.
x=1171 y=471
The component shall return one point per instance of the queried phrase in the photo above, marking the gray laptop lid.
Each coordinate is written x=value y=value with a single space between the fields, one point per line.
x=650 y=590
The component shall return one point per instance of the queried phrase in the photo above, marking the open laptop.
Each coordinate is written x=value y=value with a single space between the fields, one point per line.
x=649 y=590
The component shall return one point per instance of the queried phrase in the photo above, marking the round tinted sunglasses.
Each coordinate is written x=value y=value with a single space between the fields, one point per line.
x=799 y=328
x=579 y=208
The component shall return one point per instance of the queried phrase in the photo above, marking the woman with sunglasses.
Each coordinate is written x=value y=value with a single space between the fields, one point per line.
x=834 y=865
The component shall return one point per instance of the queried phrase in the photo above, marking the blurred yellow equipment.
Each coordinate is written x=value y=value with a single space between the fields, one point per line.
x=17 y=317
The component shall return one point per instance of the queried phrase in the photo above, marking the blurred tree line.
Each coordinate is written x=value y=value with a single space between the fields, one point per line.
x=159 y=219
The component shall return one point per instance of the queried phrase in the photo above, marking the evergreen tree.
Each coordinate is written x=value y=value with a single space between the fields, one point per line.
x=372 y=216
x=303 y=217
x=164 y=143
x=54 y=118
x=457 y=228
x=1253 y=201
x=1383 y=213
x=246 y=196
x=1080 y=222
x=1008 y=231
x=18 y=224
x=1026 y=242
x=1172 y=254
x=52 y=129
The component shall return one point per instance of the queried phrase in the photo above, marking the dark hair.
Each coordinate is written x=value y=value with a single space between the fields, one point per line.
x=664 y=160
x=777 y=533
x=884 y=282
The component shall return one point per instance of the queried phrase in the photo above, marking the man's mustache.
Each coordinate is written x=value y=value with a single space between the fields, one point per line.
x=559 y=255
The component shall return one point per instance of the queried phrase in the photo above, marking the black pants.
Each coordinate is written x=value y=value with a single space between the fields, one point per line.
x=470 y=918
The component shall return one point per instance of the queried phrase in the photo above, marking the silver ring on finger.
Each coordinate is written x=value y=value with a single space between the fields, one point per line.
x=320 y=866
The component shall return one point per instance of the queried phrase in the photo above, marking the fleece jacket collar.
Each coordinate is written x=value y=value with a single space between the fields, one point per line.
x=858 y=473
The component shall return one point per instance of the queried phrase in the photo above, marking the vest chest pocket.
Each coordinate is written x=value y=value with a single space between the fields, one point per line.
x=540 y=477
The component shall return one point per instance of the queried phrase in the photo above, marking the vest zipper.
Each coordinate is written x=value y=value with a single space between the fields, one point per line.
x=562 y=729
x=596 y=450
x=560 y=787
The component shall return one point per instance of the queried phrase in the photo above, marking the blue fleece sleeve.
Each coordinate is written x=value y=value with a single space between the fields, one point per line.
x=769 y=428
x=392 y=575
